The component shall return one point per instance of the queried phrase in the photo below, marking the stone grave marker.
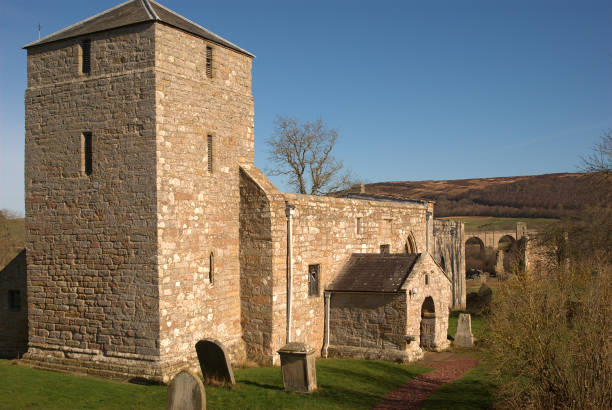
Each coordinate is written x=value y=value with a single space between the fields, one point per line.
x=464 y=337
x=214 y=361
x=298 y=367
x=186 y=392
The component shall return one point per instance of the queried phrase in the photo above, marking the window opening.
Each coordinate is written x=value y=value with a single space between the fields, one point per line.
x=211 y=268
x=386 y=248
x=86 y=153
x=86 y=56
x=209 y=60
x=426 y=279
x=313 y=280
x=210 y=153
x=358 y=224
x=14 y=299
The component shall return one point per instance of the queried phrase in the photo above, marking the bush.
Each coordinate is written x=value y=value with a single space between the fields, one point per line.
x=550 y=337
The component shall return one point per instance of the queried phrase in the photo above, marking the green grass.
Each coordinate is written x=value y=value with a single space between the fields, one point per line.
x=474 y=390
x=479 y=325
x=25 y=388
x=490 y=223
x=342 y=384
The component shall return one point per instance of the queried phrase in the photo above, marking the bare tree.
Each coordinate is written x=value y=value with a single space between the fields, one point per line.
x=302 y=152
x=599 y=161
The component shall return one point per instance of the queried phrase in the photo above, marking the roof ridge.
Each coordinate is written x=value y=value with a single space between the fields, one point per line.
x=149 y=9
x=78 y=23
x=218 y=37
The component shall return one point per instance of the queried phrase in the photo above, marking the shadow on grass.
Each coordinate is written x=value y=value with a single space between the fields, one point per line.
x=261 y=385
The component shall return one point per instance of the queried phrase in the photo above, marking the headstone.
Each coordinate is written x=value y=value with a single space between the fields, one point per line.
x=298 y=367
x=186 y=392
x=464 y=337
x=214 y=361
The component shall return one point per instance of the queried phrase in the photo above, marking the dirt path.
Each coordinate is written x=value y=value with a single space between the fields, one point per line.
x=447 y=367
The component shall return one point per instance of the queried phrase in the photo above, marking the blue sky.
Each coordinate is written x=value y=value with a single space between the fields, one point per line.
x=418 y=90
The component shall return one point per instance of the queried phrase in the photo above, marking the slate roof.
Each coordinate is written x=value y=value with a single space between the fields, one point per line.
x=134 y=12
x=374 y=272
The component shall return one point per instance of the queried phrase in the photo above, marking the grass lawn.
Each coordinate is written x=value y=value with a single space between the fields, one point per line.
x=342 y=384
x=472 y=391
x=25 y=388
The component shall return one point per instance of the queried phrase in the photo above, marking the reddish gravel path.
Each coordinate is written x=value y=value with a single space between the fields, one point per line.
x=447 y=367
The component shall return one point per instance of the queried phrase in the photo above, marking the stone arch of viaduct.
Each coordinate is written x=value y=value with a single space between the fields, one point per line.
x=491 y=239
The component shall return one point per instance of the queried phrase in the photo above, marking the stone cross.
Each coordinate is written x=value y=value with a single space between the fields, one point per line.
x=214 y=361
x=464 y=337
x=186 y=392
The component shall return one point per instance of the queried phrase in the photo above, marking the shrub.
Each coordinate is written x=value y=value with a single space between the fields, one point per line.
x=550 y=336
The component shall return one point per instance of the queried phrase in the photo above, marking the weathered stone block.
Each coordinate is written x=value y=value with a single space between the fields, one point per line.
x=298 y=367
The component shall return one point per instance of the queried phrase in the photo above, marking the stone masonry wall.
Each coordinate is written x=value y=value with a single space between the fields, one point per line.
x=256 y=252
x=449 y=253
x=92 y=240
x=13 y=320
x=368 y=320
x=198 y=210
x=324 y=233
x=428 y=279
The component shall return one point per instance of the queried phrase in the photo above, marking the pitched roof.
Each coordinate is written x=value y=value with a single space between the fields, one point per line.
x=374 y=272
x=133 y=12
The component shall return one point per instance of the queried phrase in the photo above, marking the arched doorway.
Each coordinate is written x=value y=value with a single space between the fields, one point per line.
x=428 y=324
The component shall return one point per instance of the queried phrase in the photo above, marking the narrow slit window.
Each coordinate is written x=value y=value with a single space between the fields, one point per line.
x=210 y=153
x=211 y=268
x=386 y=248
x=14 y=300
x=86 y=153
x=86 y=56
x=313 y=279
x=426 y=279
x=209 y=61
x=358 y=223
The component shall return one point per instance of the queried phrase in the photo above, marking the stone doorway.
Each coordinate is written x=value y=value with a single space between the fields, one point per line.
x=428 y=324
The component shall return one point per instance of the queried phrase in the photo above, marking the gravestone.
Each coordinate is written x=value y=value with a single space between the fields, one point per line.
x=214 y=361
x=298 y=367
x=464 y=337
x=186 y=392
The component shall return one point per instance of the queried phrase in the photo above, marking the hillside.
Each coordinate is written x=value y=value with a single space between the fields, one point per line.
x=543 y=196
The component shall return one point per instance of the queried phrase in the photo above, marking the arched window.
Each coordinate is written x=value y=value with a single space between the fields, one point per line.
x=411 y=246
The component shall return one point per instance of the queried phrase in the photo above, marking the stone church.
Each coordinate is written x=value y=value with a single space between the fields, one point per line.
x=148 y=227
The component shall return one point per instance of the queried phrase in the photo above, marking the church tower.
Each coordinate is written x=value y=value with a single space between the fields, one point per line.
x=136 y=122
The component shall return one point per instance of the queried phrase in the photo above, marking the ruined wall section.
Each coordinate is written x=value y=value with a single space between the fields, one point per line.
x=428 y=279
x=325 y=233
x=198 y=209
x=449 y=253
x=91 y=240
